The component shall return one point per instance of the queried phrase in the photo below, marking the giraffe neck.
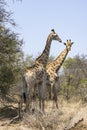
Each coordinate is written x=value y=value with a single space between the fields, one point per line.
x=43 y=58
x=57 y=63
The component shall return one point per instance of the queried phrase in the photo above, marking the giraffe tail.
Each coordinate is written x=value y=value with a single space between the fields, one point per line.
x=24 y=97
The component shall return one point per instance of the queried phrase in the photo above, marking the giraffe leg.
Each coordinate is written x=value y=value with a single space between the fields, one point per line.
x=42 y=105
x=55 y=96
x=56 y=102
x=28 y=102
x=50 y=93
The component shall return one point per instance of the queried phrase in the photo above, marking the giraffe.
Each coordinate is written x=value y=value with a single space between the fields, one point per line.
x=36 y=74
x=53 y=67
x=43 y=58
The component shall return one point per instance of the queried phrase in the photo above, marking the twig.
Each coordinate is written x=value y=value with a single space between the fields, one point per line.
x=75 y=124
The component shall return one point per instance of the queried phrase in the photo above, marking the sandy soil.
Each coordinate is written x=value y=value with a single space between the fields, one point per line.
x=69 y=116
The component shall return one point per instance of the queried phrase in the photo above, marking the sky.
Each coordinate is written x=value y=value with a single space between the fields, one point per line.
x=36 y=18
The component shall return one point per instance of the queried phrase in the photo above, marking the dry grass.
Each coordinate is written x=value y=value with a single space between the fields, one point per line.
x=69 y=116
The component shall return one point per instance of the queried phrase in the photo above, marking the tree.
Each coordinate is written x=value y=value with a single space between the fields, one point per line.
x=10 y=52
x=5 y=16
x=29 y=60
x=75 y=76
x=10 y=59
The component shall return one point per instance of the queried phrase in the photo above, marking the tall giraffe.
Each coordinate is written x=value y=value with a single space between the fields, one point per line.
x=53 y=67
x=43 y=58
x=36 y=74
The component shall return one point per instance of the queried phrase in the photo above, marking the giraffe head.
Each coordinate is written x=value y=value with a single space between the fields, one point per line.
x=68 y=45
x=55 y=36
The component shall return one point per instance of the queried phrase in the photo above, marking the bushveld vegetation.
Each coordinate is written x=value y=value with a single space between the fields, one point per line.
x=71 y=88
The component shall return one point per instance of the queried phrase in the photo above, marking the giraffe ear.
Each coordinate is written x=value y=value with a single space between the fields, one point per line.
x=72 y=43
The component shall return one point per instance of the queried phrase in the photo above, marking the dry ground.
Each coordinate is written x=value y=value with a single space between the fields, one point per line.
x=69 y=116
